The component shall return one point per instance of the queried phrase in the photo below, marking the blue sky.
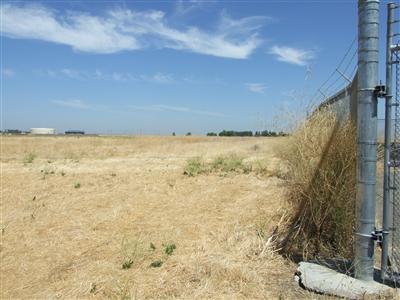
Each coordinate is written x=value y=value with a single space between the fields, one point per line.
x=156 y=67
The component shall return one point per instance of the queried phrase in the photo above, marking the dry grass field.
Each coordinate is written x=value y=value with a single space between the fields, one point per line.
x=92 y=217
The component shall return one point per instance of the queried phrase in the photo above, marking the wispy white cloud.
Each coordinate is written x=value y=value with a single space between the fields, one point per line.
x=290 y=55
x=73 y=103
x=256 y=87
x=74 y=74
x=166 y=108
x=124 y=29
x=228 y=40
x=7 y=73
x=184 y=7
x=79 y=104
x=81 y=31
x=159 y=77
x=93 y=75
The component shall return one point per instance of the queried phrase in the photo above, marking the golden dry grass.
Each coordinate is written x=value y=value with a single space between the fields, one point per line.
x=61 y=240
x=320 y=158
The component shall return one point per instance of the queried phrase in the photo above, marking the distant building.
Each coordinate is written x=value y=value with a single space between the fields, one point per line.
x=49 y=131
x=75 y=132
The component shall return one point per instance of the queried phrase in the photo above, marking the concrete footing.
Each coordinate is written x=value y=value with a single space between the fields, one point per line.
x=325 y=280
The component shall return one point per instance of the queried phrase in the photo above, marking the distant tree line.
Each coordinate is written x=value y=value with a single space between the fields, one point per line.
x=235 y=133
x=13 y=131
x=247 y=133
x=270 y=133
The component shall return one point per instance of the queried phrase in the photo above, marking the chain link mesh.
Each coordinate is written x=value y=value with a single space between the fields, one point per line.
x=395 y=162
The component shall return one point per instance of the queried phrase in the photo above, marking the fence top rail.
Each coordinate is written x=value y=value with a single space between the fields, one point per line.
x=339 y=95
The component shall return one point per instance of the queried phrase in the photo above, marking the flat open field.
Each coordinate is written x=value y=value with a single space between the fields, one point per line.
x=75 y=209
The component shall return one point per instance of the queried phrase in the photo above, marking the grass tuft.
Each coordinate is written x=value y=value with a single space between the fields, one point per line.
x=228 y=163
x=29 y=158
x=134 y=252
x=223 y=164
x=321 y=190
x=195 y=166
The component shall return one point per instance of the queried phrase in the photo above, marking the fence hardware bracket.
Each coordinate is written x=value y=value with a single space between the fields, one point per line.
x=377 y=235
x=380 y=91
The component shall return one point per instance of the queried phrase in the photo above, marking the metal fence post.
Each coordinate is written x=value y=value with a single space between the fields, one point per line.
x=387 y=206
x=368 y=55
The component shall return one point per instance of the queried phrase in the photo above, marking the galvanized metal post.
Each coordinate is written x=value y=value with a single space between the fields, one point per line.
x=368 y=59
x=387 y=206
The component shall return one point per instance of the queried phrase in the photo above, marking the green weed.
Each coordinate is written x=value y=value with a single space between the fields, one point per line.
x=127 y=263
x=134 y=252
x=29 y=158
x=195 y=166
x=169 y=249
x=228 y=163
x=93 y=288
x=152 y=247
x=156 y=264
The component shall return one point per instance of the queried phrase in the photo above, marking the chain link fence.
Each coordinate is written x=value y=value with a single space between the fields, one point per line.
x=344 y=103
x=395 y=166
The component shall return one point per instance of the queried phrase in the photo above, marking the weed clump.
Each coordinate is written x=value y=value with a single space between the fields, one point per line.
x=320 y=160
x=195 y=166
x=223 y=164
x=156 y=264
x=29 y=158
x=127 y=263
x=169 y=249
x=134 y=252
x=228 y=163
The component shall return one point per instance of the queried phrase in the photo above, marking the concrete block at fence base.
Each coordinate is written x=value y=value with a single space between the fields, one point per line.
x=324 y=280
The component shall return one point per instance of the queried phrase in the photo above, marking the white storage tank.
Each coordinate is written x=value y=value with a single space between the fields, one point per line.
x=43 y=131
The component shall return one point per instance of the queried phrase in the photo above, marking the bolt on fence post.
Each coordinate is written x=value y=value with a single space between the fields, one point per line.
x=368 y=59
x=387 y=207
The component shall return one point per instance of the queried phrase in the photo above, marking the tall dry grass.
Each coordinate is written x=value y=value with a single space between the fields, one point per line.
x=320 y=172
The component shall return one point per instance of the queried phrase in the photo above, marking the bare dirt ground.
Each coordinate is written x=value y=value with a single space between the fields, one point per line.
x=75 y=209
